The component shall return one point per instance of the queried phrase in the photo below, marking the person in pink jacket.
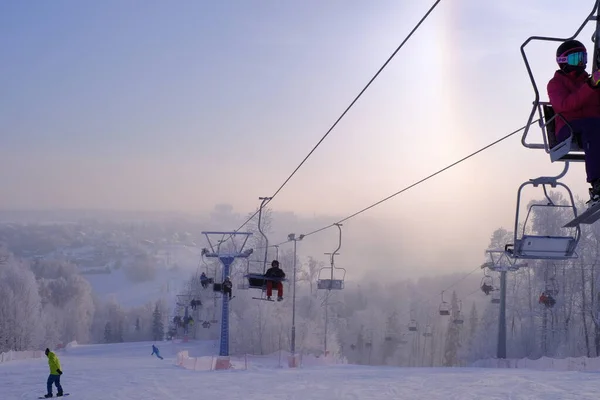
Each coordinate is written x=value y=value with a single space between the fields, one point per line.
x=576 y=97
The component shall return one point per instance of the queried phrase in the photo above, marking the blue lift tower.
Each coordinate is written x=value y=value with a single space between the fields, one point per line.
x=226 y=251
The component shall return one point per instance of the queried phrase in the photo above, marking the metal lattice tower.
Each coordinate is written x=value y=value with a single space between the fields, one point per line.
x=227 y=255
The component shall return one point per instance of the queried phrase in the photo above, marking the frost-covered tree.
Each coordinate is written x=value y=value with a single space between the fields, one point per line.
x=452 y=345
x=108 y=333
x=158 y=329
x=21 y=326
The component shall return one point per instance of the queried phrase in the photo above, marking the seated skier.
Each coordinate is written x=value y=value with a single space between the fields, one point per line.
x=204 y=280
x=275 y=272
x=547 y=300
x=227 y=287
x=487 y=289
x=575 y=96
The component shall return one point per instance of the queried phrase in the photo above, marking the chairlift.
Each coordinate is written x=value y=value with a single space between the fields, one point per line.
x=412 y=325
x=487 y=284
x=334 y=282
x=444 y=307
x=458 y=320
x=544 y=247
x=428 y=331
x=570 y=149
x=496 y=296
x=256 y=280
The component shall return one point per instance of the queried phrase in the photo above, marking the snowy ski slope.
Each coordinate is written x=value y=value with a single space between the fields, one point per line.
x=127 y=372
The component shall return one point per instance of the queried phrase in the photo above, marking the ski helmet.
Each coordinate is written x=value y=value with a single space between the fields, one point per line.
x=571 y=55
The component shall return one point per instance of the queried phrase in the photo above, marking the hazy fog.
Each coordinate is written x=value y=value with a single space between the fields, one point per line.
x=115 y=106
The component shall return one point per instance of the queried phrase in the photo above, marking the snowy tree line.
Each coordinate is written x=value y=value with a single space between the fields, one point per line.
x=44 y=303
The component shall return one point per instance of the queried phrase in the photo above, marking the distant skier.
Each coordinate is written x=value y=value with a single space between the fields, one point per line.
x=55 y=373
x=275 y=272
x=156 y=351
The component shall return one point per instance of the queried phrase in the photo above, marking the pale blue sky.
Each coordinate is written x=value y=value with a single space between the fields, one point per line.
x=183 y=104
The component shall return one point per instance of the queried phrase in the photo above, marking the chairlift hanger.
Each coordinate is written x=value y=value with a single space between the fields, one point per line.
x=444 y=308
x=333 y=283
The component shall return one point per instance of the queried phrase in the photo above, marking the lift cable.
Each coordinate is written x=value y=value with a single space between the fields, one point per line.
x=346 y=110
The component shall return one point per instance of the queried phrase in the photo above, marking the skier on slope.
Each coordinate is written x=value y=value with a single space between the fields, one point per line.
x=275 y=272
x=55 y=373
x=575 y=96
x=156 y=351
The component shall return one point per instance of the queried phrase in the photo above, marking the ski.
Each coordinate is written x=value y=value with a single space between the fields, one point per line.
x=43 y=397
x=589 y=216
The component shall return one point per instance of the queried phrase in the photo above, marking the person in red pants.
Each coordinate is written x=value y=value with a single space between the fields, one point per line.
x=275 y=272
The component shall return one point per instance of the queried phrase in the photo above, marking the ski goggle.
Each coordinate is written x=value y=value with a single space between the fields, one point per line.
x=575 y=59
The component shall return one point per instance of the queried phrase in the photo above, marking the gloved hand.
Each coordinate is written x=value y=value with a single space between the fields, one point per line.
x=59 y=371
x=595 y=78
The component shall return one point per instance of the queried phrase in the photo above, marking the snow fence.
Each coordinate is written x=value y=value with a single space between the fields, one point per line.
x=543 y=363
x=31 y=354
x=20 y=355
x=278 y=359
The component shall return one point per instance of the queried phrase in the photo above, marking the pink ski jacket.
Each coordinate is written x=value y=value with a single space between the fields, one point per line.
x=572 y=97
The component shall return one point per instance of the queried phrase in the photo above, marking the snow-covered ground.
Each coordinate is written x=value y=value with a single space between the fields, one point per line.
x=127 y=371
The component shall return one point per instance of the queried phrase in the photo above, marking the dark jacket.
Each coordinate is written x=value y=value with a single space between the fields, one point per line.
x=275 y=272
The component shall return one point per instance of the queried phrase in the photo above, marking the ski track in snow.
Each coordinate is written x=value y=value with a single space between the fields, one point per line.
x=127 y=372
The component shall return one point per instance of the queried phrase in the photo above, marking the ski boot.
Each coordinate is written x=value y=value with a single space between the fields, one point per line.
x=594 y=194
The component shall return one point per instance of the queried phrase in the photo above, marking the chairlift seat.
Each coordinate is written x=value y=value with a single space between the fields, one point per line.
x=543 y=247
x=567 y=150
x=459 y=321
x=217 y=287
x=444 y=309
x=258 y=281
x=427 y=334
x=412 y=326
x=495 y=300
x=330 y=284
